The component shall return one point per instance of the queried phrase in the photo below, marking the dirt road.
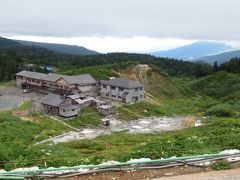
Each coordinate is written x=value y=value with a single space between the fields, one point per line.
x=174 y=173
x=233 y=174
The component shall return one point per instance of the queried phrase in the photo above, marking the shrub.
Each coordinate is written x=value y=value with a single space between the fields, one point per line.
x=221 y=165
x=221 y=110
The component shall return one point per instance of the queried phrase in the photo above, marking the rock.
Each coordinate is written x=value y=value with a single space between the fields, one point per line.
x=169 y=174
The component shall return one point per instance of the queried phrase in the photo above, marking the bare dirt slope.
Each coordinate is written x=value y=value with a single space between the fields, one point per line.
x=156 y=85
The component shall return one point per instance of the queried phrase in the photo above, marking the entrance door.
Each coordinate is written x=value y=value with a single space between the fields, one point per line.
x=123 y=100
x=136 y=99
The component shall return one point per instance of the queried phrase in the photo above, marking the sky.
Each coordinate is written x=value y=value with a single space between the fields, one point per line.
x=121 y=25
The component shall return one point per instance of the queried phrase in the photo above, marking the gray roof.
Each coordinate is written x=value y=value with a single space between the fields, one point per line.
x=68 y=106
x=79 y=79
x=74 y=96
x=52 y=100
x=52 y=77
x=30 y=74
x=104 y=107
x=122 y=82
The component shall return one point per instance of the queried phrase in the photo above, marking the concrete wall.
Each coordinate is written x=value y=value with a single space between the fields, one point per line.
x=105 y=112
x=69 y=113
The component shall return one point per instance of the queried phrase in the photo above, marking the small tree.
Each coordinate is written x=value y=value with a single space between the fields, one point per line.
x=215 y=66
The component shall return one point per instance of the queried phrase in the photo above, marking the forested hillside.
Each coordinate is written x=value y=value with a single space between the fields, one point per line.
x=7 y=42
x=17 y=56
x=62 y=48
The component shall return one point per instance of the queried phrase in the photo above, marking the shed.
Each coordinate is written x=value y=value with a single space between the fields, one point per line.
x=87 y=101
x=51 y=103
x=68 y=110
x=105 y=109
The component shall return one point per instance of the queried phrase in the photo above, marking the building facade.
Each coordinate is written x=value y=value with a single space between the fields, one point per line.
x=57 y=83
x=58 y=105
x=121 y=89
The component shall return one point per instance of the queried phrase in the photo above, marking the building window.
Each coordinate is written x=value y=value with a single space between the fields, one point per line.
x=113 y=88
x=141 y=96
x=64 y=110
x=119 y=97
x=136 y=89
x=38 y=82
x=73 y=110
x=141 y=88
x=114 y=96
x=107 y=94
x=104 y=86
x=120 y=89
x=33 y=80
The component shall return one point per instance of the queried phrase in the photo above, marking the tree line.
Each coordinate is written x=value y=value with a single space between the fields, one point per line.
x=13 y=59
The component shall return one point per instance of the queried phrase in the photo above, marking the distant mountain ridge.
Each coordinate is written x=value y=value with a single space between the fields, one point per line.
x=60 y=48
x=194 y=50
x=220 y=58
x=4 y=42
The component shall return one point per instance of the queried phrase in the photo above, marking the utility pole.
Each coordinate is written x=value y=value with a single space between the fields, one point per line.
x=106 y=150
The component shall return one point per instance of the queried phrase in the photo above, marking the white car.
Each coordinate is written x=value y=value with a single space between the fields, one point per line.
x=26 y=91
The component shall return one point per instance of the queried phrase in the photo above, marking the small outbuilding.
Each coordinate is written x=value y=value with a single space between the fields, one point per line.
x=69 y=110
x=51 y=103
x=59 y=105
x=105 y=109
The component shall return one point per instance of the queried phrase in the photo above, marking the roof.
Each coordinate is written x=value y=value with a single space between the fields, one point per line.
x=122 y=82
x=52 y=100
x=74 y=96
x=105 y=107
x=30 y=74
x=52 y=77
x=79 y=101
x=68 y=106
x=84 y=100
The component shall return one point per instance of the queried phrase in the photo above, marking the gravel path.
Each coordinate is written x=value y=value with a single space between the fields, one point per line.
x=12 y=97
x=9 y=102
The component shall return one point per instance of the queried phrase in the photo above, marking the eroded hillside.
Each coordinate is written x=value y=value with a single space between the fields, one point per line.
x=156 y=85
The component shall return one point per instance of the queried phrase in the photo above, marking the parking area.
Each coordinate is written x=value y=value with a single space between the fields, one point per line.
x=12 y=97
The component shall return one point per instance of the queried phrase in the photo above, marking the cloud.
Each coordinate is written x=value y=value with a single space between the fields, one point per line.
x=113 y=44
x=174 y=19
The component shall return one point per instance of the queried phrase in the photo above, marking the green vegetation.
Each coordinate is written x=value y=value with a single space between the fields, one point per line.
x=102 y=72
x=216 y=135
x=26 y=105
x=17 y=136
x=215 y=96
x=222 y=165
x=4 y=83
x=89 y=117
x=181 y=106
x=225 y=88
x=14 y=58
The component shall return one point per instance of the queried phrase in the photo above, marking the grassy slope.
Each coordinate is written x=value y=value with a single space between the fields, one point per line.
x=225 y=88
x=102 y=72
x=17 y=135
x=165 y=96
x=210 y=138
x=89 y=117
